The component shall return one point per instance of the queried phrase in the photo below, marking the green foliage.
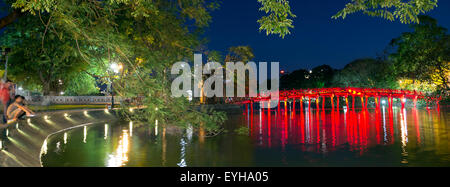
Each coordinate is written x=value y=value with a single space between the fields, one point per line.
x=405 y=11
x=41 y=58
x=145 y=38
x=215 y=56
x=240 y=54
x=423 y=55
x=81 y=84
x=366 y=73
x=279 y=18
x=242 y=130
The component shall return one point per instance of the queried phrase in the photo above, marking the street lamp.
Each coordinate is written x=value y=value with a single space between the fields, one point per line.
x=115 y=69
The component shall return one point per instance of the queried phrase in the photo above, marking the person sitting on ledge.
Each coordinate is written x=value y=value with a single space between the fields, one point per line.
x=17 y=109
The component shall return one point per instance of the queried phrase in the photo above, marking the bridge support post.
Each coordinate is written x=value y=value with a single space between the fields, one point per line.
x=301 y=103
x=362 y=102
x=353 y=102
x=367 y=101
x=279 y=106
x=377 y=102
x=332 y=102
x=323 y=102
x=285 y=105
x=346 y=101
x=415 y=102
x=403 y=100
x=317 y=103
x=390 y=102
x=251 y=107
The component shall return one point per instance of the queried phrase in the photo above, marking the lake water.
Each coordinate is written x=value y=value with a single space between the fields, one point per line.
x=397 y=137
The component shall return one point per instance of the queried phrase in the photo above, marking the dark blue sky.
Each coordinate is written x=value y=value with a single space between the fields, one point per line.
x=316 y=39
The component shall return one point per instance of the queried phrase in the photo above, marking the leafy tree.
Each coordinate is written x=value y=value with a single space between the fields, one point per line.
x=82 y=84
x=43 y=58
x=279 y=18
x=423 y=55
x=145 y=38
x=215 y=56
x=240 y=54
x=366 y=73
x=279 y=15
x=406 y=11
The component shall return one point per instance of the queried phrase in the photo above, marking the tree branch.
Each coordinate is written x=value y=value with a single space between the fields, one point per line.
x=10 y=18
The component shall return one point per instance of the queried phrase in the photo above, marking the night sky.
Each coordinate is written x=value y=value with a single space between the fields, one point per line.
x=316 y=39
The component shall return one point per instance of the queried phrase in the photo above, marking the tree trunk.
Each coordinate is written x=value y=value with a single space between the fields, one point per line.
x=10 y=18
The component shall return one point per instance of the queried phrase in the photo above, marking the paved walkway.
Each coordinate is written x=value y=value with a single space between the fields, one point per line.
x=22 y=142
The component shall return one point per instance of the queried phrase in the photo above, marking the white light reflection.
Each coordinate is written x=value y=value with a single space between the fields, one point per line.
x=182 y=162
x=260 y=127
x=156 y=127
x=106 y=132
x=404 y=132
x=307 y=129
x=189 y=132
x=44 y=147
x=120 y=157
x=384 y=124
x=65 y=138
x=404 y=127
x=131 y=128
x=84 y=134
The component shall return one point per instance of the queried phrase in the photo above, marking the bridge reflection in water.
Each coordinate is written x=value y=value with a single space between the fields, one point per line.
x=324 y=131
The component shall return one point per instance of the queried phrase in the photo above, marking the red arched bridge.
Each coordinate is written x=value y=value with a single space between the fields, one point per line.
x=337 y=95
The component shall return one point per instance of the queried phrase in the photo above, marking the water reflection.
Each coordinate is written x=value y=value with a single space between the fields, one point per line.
x=120 y=156
x=329 y=130
x=278 y=137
